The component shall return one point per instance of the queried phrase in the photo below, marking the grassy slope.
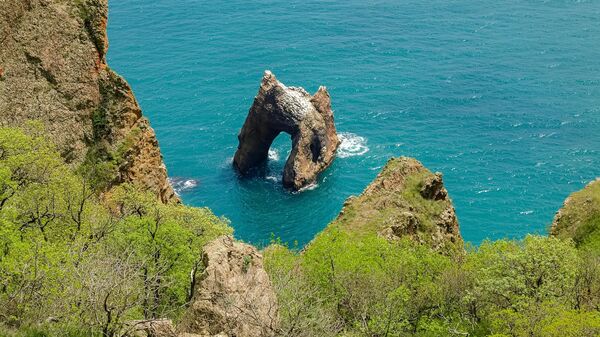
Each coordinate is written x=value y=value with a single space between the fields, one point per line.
x=579 y=219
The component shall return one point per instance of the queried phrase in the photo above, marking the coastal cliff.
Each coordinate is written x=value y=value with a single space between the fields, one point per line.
x=391 y=264
x=579 y=217
x=53 y=69
x=404 y=200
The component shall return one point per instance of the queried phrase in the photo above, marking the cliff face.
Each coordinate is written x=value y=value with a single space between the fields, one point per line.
x=405 y=200
x=579 y=218
x=53 y=69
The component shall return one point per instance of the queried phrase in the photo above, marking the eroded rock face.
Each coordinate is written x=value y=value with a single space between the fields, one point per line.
x=234 y=296
x=53 y=69
x=309 y=121
x=433 y=188
x=405 y=200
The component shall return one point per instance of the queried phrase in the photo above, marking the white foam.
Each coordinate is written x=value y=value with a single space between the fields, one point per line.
x=189 y=184
x=228 y=161
x=308 y=188
x=182 y=184
x=525 y=212
x=351 y=145
x=273 y=155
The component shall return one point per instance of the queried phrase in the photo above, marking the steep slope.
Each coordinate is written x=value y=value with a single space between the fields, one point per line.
x=53 y=69
x=405 y=200
x=579 y=218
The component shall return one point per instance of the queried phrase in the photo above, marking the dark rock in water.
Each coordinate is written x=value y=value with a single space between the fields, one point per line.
x=309 y=121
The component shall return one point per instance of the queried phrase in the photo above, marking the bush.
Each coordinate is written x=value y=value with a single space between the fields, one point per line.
x=342 y=285
x=70 y=258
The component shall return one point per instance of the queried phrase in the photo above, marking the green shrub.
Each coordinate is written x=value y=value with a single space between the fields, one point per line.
x=70 y=257
x=371 y=287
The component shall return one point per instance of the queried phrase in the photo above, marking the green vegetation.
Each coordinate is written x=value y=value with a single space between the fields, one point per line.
x=344 y=286
x=76 y=260
x=353 y=281
x=77 y=263
x=580 y=218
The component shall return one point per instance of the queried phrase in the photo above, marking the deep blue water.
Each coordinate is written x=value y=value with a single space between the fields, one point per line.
x=503 y=97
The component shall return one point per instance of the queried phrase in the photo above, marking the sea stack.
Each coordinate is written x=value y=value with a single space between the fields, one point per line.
x=307 y=119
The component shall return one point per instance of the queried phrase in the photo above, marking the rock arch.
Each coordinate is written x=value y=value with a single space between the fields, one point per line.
x=309 y=121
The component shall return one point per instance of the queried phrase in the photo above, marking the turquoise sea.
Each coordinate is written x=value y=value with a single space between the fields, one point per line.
x=503 y=97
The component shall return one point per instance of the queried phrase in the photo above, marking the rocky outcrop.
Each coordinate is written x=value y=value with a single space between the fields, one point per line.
x=53 y=69
x=151 y=328
x=309 y=121
x=405 y=200
x=234 y=296
x=579 y=218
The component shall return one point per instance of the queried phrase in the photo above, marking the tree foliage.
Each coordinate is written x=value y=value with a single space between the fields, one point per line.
x=71 y=256
x=536 y=287
x=76 y=260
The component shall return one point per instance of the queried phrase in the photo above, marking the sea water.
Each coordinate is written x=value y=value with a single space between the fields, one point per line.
x=503 y=97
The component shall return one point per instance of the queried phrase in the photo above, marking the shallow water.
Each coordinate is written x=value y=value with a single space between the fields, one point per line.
x=502 y=97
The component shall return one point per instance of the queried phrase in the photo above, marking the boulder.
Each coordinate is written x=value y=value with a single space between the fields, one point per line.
x=307 y=119
x=234 y=296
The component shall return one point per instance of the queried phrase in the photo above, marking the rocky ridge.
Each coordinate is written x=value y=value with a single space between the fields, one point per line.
x=53 y=69
x=404 y=200
x=234 y=296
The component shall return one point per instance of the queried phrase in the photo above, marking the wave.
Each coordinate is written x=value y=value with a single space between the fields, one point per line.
x=273 y=155
x=183 y=184
x=273 y=178
x=351 y=145
x=307 y=188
